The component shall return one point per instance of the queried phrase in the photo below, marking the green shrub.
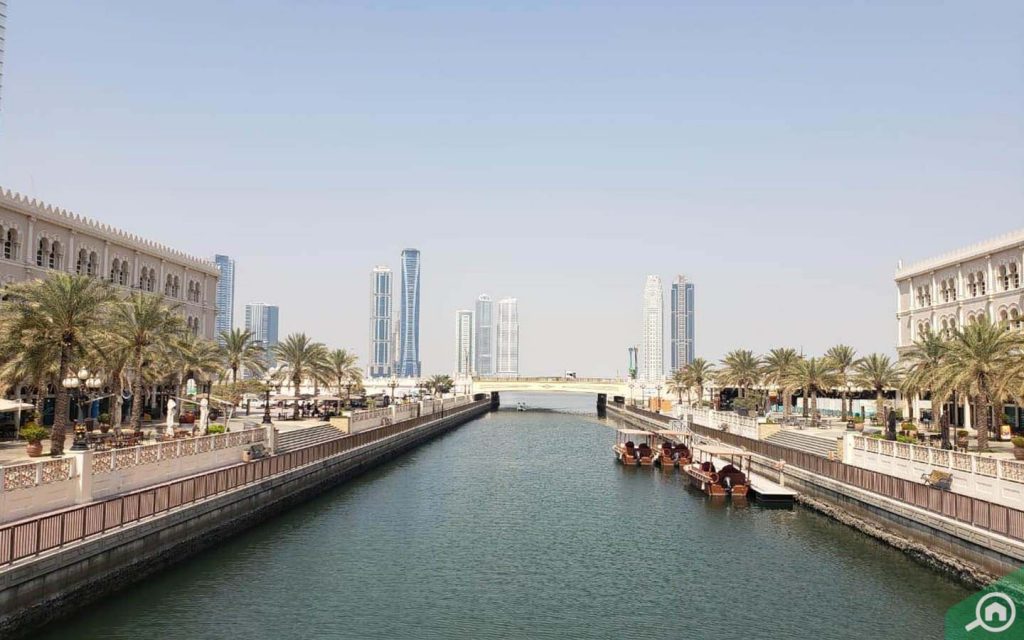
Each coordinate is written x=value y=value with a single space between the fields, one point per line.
x=104 y=418
x=34 y=433
x=908 y=426
x=859 y=419
x=961 y=433
x=1018 y=441
x=907 y=439
x=215 y=428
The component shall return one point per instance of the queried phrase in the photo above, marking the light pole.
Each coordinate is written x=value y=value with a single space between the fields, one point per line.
x=266 y=402
x=394 y=383
x=658 y=409
x=83 y=385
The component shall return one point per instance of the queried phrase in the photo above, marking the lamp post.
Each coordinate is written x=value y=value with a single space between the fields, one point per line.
x=266 y=402
x=83 y=385
x=394 y=383
x=658 y=409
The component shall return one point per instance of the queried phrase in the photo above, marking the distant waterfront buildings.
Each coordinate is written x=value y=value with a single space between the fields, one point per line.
x=225 y=296
x=632 y=370
x=484 y=336
x=381 y=356
x=261 y=320
x=652 y=348
x=508 y=338
x=409 y=365
x=682 y=346
x=464 y=347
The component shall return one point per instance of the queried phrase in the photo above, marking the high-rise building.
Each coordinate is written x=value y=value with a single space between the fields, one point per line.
x=632 y=367
x=3 y=37
x=484 y=331
x=381 y=354
x=508 y=338
x=261 y=319
x=652 y=349
x=225 y=299
x=682 y=348
x=464 y=347
x=409 y=365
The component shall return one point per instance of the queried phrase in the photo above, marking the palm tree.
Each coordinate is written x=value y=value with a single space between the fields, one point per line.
x=301 y=359
x=740 y=369
x=980 y=361
x=341 y=369
x=114 y=356
x=843 y=358
x=699 y=374
x=191 y=356
x=242 y=352
x=439 y=384
x=876 y=372
x=65 y=312
x=816 y=375
x=923 y=362
x=678 y=383
x=777 y=367
x=34 y=365
x=146 y=326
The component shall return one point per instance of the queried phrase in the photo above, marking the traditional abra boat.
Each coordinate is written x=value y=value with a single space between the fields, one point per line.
x=730 y=480
x=672 y=452
x=628 y=452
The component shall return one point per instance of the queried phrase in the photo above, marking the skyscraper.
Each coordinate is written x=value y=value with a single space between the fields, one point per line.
x=652 y=349
x=261 y=320
x=3 y=37
x=484 y=336
x=409 y=336
x=632 y=366
x=381 y=346
x=508 y=338
x=464 y=347
x=682 y=323
x=225 y=301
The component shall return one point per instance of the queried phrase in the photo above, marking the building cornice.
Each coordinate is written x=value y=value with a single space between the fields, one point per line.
x=1006 y=241
x=73 y=222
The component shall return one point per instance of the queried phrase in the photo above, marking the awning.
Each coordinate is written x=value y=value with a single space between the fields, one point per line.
x=14 y=405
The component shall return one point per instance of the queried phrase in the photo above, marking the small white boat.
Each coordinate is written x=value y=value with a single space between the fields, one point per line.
x=521 y=406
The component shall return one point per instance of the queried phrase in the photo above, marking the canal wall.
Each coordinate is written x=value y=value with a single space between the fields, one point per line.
x=37 y=590
x=969 y=554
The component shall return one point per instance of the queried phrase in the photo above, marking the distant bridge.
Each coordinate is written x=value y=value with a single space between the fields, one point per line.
x=608 y=386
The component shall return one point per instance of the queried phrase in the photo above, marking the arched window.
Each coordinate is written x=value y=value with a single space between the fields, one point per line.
x=1014 y=276
x=55 y=260
x=123 y=278
x=94 y=264
x=42 y=252
x=115 y=270
x=1004 y=317
x=83 y=261
x=176 y=289
x=1016 y=320
x=972 y=286
x=11 y=244
x=168 y=285
x=146 y=279
x=980 y=279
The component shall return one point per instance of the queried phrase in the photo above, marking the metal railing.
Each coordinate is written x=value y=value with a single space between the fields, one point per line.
x=983 y=514
x=39 y=534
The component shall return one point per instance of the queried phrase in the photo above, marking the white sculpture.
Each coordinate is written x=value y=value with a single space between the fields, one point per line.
x=171 y=407
x=204 y=414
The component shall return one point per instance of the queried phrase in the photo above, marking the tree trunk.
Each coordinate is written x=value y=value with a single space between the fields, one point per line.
x=814 y=407
x=61 y=407
x=117 y=403
x=910 y=408
x=984 y=419
x=787 y=410
x=807 y=395
x=136 y=419
x=296 y=381
x=846 y=404
x=234 y=375
x=879 y=416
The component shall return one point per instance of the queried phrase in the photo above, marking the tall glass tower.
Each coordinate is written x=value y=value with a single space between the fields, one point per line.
x=682 y=323
x=225 y=321
x=464 y=347
x=261 y=320
x=409 y=330
x=484 y=336
x=652 y=349
x=508 y=338
x=3 y=38
x=381 y=356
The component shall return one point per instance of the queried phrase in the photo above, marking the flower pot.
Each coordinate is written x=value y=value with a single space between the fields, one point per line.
x=104 y=428
x=34 y=449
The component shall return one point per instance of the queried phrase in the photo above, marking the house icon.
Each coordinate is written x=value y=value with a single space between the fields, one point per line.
x=995 y=612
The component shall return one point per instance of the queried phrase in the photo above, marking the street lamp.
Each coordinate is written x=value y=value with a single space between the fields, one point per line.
x=658 y=410
x=394 y=383
x=84 y=385
x=266 y=401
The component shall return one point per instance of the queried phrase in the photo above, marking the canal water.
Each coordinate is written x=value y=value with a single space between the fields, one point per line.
x=521 y=525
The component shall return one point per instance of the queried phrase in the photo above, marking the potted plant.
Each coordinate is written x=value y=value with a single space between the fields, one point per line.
x=1018 y=447
x=35 y=435
x=104 y=422
x=187 y=418
x=961 y=438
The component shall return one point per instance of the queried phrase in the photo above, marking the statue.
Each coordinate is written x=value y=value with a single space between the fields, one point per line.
x=171 y=407
x=204 y=414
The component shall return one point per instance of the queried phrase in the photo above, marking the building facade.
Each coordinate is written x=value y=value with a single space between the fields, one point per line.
x=484 y=336
x=507 y=364
x=261 y=320
x=3 y=43
x=37 y=239
x=682 y=345
x=381 y=356
x=225 y=298
x=409 y=365
x=943 y=293
x=465 y=348
x=652 y=347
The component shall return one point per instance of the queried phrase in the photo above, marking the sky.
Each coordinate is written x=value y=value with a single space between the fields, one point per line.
x=782 y=155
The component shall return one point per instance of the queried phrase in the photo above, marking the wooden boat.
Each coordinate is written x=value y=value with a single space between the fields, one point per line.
x=728 y=480
x=673 y=451
x=633 y=447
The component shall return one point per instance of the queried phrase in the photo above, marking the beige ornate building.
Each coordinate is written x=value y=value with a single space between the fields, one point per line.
x=949 y=291
x=36 y=238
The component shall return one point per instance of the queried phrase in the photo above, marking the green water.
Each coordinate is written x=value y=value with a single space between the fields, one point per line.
x=520 y=525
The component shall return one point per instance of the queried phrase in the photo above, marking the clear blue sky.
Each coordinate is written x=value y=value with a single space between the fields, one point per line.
x=783 y=155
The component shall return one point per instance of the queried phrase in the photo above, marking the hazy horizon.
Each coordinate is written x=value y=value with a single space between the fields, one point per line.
x=783 y=157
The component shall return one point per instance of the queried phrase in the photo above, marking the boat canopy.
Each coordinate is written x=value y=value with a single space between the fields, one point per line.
x=634 y=432
x=724 y=452
x=671 y=434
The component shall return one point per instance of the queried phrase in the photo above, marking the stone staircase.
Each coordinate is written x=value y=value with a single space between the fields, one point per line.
x=804 y=442
x=291 y=440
